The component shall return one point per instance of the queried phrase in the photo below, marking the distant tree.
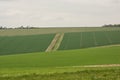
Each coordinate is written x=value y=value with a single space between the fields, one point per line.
x=111 y=25
x=1 y=27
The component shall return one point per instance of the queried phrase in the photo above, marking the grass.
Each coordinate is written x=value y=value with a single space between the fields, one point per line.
x=59 y=65
x=91 y=56
x=93 y=74
x=79 y=40
x=24 y=44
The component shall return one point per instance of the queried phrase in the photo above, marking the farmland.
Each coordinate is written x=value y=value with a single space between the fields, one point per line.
x=74 y=40
x=91 y=56
x=16 y=32
x=76 y=53
x=78 y=40
x=56 y=64
x=24 y=44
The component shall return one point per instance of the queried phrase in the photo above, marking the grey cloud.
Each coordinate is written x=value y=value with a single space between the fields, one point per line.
x=59 y=12
x=116 y=1
x=7 y=0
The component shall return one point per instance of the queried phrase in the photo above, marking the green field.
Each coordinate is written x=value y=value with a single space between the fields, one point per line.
x=47 y=66
x=39 y=43
x=14 y=41
x=78 y=57
x=24 y=44
x=78 y=40
x=91 y=56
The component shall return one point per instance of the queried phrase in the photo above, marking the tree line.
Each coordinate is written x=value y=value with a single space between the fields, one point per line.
x=28 y=27
x=21 y=27
x=111 y=25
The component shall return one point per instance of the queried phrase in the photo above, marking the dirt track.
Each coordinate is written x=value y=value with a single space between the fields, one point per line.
x=93 y=66
x=105 y=65
x=54 y=41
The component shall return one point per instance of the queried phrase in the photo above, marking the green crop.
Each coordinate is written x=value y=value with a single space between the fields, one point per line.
x=78 y=40
x=24 y=44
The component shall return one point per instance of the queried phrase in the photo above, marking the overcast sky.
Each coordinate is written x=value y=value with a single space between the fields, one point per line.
x=14 y=13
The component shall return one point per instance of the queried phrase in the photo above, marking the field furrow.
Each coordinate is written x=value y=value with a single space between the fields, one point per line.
x=78 y=40
x=87 y=40
x=24 y=44
x=101 y=39
x=71 y=41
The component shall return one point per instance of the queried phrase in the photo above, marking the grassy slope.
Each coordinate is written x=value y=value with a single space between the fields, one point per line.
x=91 y=56
x=51 y=66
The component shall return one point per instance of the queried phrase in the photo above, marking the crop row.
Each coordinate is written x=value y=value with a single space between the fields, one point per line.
x=79 y=40
x=25 y=44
